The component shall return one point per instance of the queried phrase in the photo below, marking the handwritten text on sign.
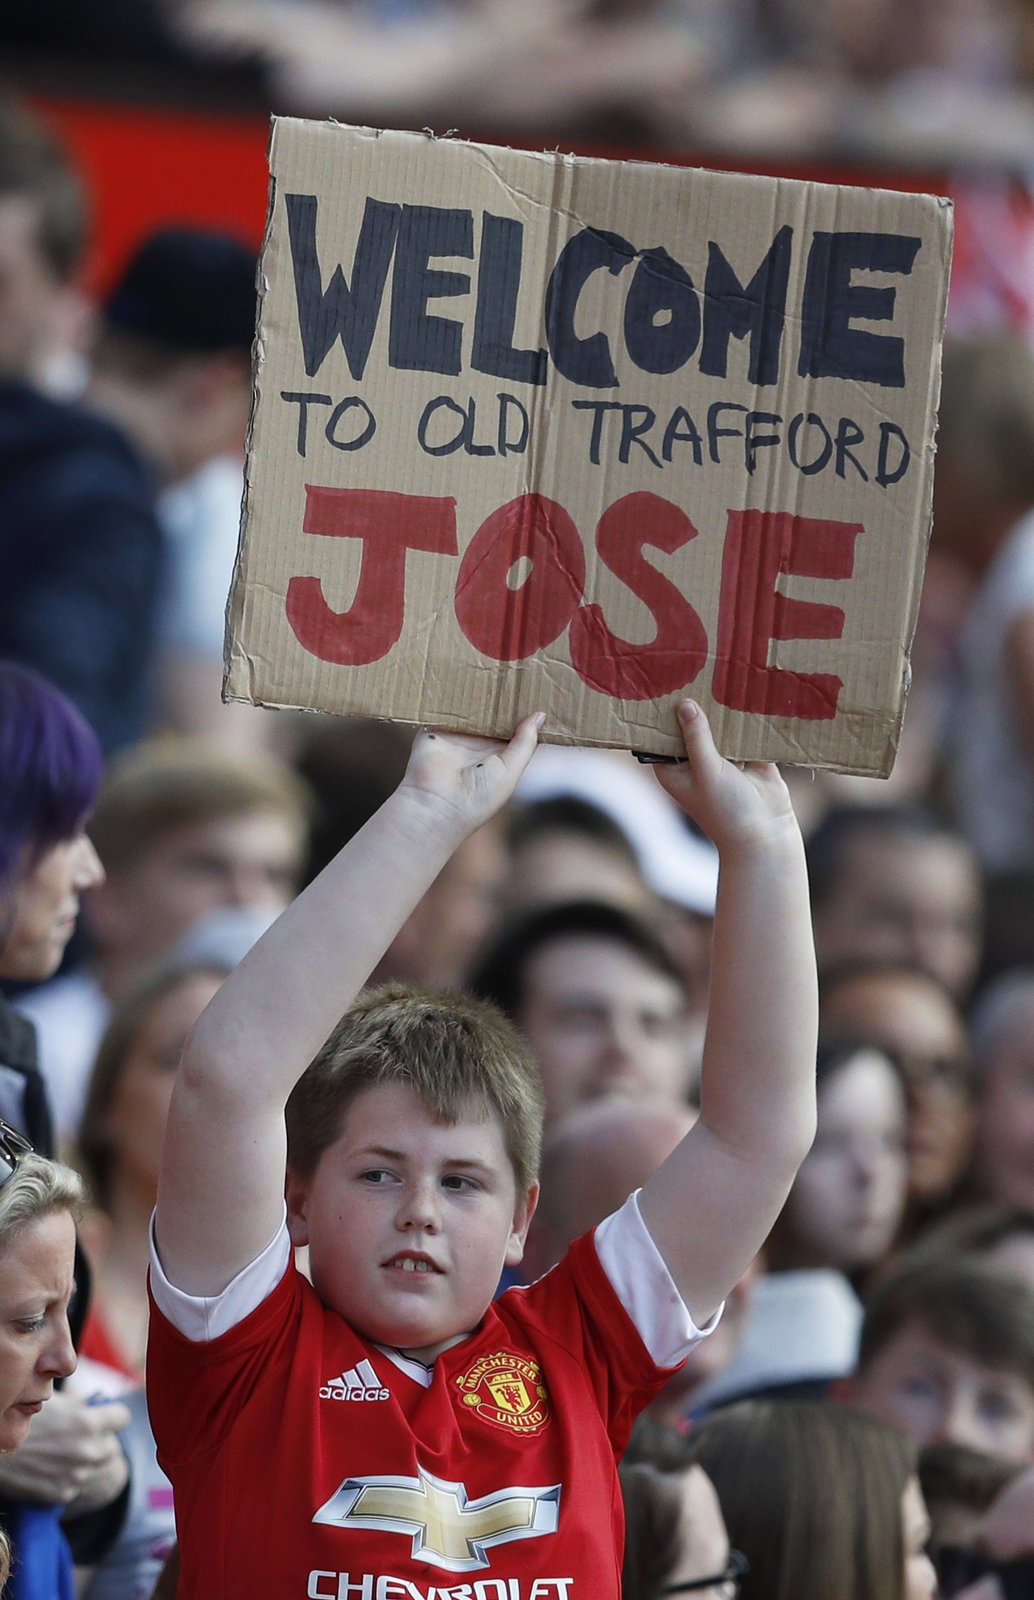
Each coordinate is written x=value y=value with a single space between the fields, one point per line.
x=484 y=409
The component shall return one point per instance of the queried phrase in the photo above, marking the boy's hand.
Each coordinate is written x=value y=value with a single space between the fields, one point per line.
x=471 y=776
x=730 y=801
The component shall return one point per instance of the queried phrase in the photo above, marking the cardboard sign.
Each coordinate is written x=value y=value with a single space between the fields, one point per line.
x=538 y=431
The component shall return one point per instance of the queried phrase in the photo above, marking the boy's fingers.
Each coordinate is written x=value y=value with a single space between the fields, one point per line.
x=696 y=736
x=526 y=737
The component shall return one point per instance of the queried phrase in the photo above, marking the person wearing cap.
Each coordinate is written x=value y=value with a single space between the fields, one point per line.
x=172 y=367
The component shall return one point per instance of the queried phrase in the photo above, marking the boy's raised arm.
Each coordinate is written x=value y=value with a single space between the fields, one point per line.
x=710 y=1206
x=220 y=1193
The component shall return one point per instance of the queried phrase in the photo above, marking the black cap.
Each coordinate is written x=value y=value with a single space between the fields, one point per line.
x=190 y=289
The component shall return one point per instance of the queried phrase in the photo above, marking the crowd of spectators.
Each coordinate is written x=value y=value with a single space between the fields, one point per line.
x=884 y=1338
x=923 y=81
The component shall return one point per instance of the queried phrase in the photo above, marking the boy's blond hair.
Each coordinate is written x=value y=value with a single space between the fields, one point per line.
x=449 y=1048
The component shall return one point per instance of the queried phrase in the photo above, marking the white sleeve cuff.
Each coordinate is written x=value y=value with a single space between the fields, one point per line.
x=203 y=1317
x=640 y=1278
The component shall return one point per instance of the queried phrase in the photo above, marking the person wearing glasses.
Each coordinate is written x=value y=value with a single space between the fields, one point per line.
x=675 y=1536
x=823 y=1500
x=39 y=1203
x=51 y=765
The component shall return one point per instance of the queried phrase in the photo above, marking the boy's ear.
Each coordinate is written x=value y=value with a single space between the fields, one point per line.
x=296 y=1193
x=522 y=1215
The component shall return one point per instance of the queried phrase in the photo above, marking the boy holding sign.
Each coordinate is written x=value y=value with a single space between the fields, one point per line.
x=388 y=1431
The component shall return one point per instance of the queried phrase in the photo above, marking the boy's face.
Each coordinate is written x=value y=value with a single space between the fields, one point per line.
x=409 y=1221
x=940 y=1395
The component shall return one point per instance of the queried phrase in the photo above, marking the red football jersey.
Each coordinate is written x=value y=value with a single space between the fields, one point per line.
x=311 y=1464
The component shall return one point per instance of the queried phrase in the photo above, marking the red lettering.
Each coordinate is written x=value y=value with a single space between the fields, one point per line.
x=759 y=547
x=389 y=524
x=611 y=665
x=511 y=624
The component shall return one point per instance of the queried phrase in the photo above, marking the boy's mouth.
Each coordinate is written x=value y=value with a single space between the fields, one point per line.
x=413 y=1263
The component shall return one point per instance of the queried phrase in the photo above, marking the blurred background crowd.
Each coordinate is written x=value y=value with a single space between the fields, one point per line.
x=898 y=1285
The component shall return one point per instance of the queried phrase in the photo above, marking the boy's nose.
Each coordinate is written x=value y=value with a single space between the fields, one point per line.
x=419 y=1208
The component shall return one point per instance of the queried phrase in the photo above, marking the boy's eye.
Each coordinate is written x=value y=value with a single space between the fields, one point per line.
x=375 y=1175
x=457 y=1181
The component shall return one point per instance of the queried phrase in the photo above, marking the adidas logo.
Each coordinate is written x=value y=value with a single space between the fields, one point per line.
x=358 y=1383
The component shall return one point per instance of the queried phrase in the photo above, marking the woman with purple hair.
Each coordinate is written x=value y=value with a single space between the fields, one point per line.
x=50 y=771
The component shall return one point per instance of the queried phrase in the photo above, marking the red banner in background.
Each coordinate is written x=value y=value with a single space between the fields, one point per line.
x=149 y=166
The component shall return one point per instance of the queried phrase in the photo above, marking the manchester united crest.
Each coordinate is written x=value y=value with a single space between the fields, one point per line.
x=507 y=1391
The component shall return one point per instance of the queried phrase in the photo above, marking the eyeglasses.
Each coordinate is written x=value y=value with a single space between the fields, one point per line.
x=727 y=1583
x=13 y=1145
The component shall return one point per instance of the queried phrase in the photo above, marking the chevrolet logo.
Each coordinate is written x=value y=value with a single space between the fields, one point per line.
x=448 y=1529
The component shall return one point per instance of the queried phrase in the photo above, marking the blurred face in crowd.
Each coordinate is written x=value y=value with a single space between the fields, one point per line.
x=598 y=1019
x=45 y=909
x=238 y=862
x=1004 y=1151
x=31 y=293
x=704 y=1543
x=917 y=1020
x=35 y=1343
x=913 y=902
x=941 y=1395
x=438 y=943
x=561 y=865
x=139 y=1105
x=847 y=1200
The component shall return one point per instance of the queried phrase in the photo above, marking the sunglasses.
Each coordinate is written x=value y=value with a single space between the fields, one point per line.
x=13 y=1145
x=736 y=1569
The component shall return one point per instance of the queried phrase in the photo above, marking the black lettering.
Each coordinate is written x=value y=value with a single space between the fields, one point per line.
x=350 y=403
x=419 y=342
x=303 y=402
x=662 y=313
x=821 y=460
x=599 y=407
x=506 y=445
x=682 y=429
x=757 y=309
x=889 y=431
x=442 y=402
x=714 y=432
x=848 y=434
x=635 y=421
x=348 y=311
x=830 y=346
x=499 y=278
x=585 y=361
x=752 y=440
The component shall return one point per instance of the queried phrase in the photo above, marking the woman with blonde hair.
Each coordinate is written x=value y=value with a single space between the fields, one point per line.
x=39 y=1203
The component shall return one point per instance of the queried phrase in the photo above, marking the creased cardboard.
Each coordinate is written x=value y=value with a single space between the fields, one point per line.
x=539 y=431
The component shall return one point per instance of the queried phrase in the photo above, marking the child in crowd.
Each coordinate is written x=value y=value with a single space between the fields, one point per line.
x=947 y=1353
x=388 y=1430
